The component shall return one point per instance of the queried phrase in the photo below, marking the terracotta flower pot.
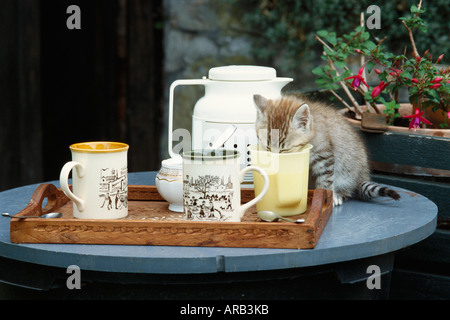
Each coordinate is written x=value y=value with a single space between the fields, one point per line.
x=435 y=117
x=405 y=109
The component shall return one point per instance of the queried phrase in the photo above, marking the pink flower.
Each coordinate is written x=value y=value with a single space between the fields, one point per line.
x=448 y=114
x=416 y=119
x=357 y=80
x=378 y=89
x=437 y=80
x=415 y=80
x=395 y=73
x=435 y=86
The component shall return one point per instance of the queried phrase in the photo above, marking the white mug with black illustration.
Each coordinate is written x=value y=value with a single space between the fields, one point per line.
x=212 y=185
x=99 y=180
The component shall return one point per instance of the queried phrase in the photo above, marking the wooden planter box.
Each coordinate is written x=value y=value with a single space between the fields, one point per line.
x=416 y=162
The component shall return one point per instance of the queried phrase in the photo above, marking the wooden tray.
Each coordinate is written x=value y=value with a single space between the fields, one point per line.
x=149 y=222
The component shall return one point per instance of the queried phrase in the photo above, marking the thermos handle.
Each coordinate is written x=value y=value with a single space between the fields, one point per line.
x=172 y=89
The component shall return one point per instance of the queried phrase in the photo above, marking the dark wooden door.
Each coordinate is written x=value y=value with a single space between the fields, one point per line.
x=60 y=86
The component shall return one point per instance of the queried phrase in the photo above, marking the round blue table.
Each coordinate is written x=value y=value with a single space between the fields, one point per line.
x=357 y=235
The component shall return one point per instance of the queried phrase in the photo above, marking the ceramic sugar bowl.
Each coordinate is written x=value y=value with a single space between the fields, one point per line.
x=169 y=182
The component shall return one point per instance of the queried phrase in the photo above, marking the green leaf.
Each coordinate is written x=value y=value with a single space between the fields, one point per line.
x=347 y=73
x=329 y=52
x=406 y=74
x=432 y=95
x=423 y=29
x=340 y=64
x=365 y=36
x=391 y=107
x=318 y=71
x=370 y=65
x=367 y=95
x=332 y=86
x=322 y=33
x=380 y=99
x=331 y=37
x=388 y=55
x=321 y=81
x=370 y=45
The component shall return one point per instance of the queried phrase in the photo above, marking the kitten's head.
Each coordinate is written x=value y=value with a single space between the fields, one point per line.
x=282 y=125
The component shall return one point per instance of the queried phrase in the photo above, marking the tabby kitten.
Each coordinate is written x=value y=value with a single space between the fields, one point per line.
x=338 y=159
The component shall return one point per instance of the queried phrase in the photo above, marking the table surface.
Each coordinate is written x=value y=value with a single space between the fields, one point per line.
x=355 y=230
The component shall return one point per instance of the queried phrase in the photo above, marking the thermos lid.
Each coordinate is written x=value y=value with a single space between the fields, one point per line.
x=242 y=73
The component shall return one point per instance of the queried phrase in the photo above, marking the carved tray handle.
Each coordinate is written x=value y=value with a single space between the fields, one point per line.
x=55 y=199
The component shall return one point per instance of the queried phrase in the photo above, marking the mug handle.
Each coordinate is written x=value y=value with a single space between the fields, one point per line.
x=265 y=177
x=64 y=182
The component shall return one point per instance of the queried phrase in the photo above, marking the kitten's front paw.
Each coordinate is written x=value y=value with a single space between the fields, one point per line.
x=338 y=200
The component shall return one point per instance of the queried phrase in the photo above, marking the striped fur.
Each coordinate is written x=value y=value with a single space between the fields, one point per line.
x=368 y=190
x=338 y=160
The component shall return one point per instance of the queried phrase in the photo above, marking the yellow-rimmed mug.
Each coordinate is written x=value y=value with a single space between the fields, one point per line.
x=288 y=180
x=99 y=180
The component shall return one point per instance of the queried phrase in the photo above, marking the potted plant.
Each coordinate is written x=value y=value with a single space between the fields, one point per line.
x=427 y=84
x=405 y=142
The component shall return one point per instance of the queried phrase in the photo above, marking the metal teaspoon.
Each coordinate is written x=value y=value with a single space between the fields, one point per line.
x=44 y=216
x=270 y=216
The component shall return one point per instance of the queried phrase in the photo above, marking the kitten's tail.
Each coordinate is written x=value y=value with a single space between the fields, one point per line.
x=369 y=190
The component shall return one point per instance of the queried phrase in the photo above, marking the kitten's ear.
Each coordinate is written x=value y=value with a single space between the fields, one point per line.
x=260 y=102
x=302 y=117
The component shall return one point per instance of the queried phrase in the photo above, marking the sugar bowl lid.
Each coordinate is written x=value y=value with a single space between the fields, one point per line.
x=173 y=163
x=242 y=73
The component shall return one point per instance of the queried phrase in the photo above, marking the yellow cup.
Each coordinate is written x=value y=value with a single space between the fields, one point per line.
x=288 y=180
